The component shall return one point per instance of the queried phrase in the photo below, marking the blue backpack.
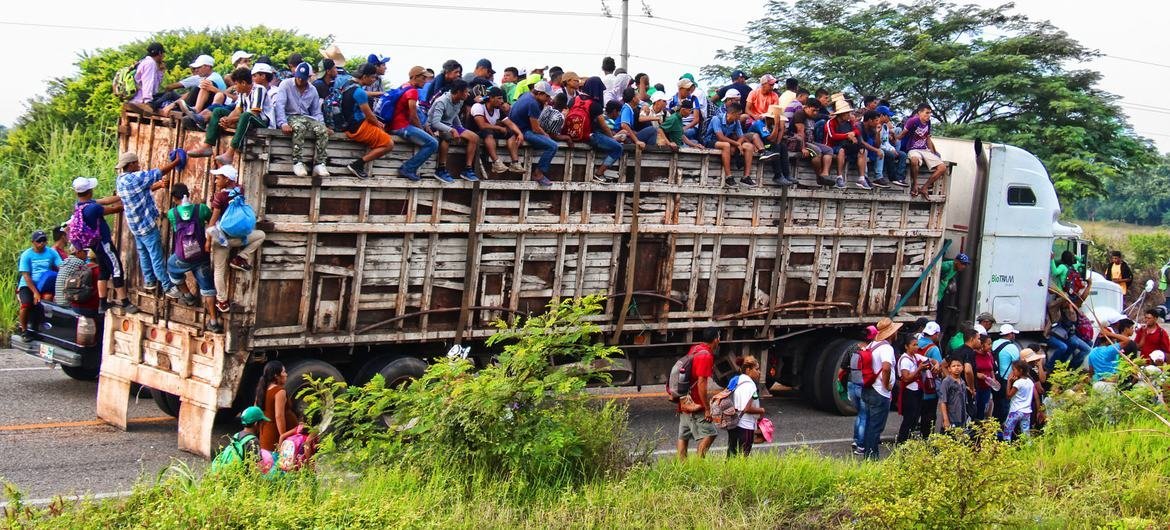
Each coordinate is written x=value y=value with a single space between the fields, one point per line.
x=238 y=219
x=388 y=102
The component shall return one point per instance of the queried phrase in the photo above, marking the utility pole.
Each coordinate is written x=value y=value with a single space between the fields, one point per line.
x=625 y=34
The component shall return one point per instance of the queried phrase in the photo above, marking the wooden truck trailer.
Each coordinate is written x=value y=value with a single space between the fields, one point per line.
x=359 y=277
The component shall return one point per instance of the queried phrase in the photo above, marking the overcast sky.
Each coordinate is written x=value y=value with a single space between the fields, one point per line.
x=46 y=38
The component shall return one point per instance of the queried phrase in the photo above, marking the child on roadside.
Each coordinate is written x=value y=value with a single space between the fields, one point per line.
x=952 y=396
x=1021 y=392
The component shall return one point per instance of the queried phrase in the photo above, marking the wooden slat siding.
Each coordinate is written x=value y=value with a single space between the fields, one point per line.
x=360 y=265
x=775 y=290
x=632 y=253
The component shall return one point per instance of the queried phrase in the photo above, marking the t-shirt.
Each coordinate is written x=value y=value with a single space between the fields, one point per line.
x=743 y=89
x=953 y=393
x=918 y=134
x=36 y=264
x=984 y=367
x=1008 y=355
x=720 y=124
x=882 y=354
x=702 y=365
x=909 y=363
x=627 y=117
x=360 y=97
x=220 y=200
x=966 y=354
x=673 y=127
x=758 y=102
x=800 y=117
x=479 y=109
x=746 y=394
x=1022 y=400
x=526 y=108
x=1104 y=359
x=401 y=118
x=184 y=212
x=1151 y=338
x=192 y=81
x=258 y=99
x=94 y=215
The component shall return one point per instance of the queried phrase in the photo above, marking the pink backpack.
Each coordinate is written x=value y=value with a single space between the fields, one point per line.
x=80 y=234
x=293 y=451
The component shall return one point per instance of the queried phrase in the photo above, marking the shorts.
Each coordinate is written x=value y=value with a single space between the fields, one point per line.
x=928 y=158
x=109 y=264
x=851 y=149
x=485 y=134
x=24 y=294
x=370 y=136
x=819 y=149
x=694 y=426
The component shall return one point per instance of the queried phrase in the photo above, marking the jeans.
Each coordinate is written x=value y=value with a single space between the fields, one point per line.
x=150 y=259
x=427 y=145
x=547 y=147
x=982 y=399
x=692 y=133
x=911 y=414
x=649 y=134
x=877 y=411
x=1074 y=350
x=607 y=145
x=854 y=390
x=177 y=269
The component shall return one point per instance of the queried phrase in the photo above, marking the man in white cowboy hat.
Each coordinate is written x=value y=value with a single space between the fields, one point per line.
x=843 y=135
x=876 y=396
x=1005 y=350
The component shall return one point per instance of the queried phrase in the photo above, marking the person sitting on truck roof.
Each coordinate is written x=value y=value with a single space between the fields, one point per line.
x=202 y=86
x=843 y=135
x=406 y=124
x=872 y=144
x=674 y=129
x=895 y=160
x=693 y=124
x=188 y=232
x=738 y=83
x=33 y=264
x=759 y=100
x=491 y=127
x=725 y=134
x=766 y=136
x=149 y=76
x=364 y=126
x=135 y=187
x=525 y=113
x=297 y=109
x=802 y=128
x=227 y=186
x=253 y=110
x=77 y=262
x=604 y=137
x=92 y=213
x=552 y=120
x=443 y=119
x=917 y=142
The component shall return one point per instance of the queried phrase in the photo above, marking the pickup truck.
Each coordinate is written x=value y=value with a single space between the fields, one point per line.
x=56 y=343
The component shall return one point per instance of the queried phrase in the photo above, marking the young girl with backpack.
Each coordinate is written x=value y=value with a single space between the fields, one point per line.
x=915 y=376
x=747 y=402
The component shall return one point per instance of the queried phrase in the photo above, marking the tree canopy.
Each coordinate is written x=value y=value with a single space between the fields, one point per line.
x=987 y=72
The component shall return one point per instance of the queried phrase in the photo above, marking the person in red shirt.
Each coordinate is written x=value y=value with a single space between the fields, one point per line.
x=694 y=411
x=1151 y=337
x=843 y=135
x=406 y=124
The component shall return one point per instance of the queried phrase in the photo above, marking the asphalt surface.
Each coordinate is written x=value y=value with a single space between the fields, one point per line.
x=51 y=442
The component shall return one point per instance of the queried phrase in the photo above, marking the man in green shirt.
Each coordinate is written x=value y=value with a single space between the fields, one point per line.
x=949 y=269
x=947 y=289
x=673 y=126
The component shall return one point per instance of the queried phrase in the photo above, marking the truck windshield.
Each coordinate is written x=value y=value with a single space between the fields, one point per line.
x=1079 y=248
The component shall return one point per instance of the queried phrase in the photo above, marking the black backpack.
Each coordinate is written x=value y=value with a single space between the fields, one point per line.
x=79 y=285
x=344 y=120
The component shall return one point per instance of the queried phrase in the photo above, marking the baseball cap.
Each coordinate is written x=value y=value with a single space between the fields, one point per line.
x=202 y=60
x=738 y=74
x=1007 y=329
x=985 y=316
x=227 y=171
x=931 y=328
x=252 y=415
x=126 y=159
x=688 y=76
x=416 y=71
x=263 y=68
x=304 y=71
x=767 y=78
x=982 y=331
x=658 y=96
x=495 y=92
x=685 y=83
x=542 y=86
x=240 y=54
x=884 y=110
x=84 y=184
x=731 y=93
x=39 y=235
x=484 y=63
x=963 y=258
x=377 y=59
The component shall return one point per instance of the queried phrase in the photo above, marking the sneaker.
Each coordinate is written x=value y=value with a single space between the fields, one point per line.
x=190 y=300
x=358 y=168
x=174 y=293
x=469 y=175
x=215 y=327
x=729 y=182
x=881 y=183
x=320 y=170
x=748 y=181
x=542 y=180
x=839 y=183
x=149 y=286
x=901 y=183
x=859 y=451
x=863 y=183
x=300 y=170
x=413 y=177
x=240 y=264
x=128 y=308
x=187 y=112
x=190 y=123
x=498 y=166
x=825 y=181
x=784 y=182
x=223 y=306
x=601 y=179
x=517 y=167
x=103 y=306
x=443 y=176
x=768 y=155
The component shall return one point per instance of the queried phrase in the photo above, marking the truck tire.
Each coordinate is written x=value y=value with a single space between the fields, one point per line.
x=298 y=370
x=370 y=368
x=166 y=401
x=402 y=370
x=829 y=398
x=81 y=373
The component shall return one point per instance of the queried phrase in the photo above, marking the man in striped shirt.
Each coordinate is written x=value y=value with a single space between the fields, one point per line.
x=253 y=110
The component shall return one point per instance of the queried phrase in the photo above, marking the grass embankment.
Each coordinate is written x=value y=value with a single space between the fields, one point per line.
x=1101 y=477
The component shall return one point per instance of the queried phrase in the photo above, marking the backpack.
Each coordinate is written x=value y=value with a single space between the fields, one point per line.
x=79 y=286
x=995 y=360
x=124 y=85
x=331 y=105
x=865 y=363
x=189 y=237
x=1073 y=283
x=577 y=124
x=293 y=451
x=233 y=452
x=388 y=102
x=723 y=412
x=80 y=234
x=238 y=219
x=344 y=120
x=679 y=383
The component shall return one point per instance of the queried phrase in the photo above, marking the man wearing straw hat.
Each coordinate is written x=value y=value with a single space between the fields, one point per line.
x=876 y=397
x=845 y=138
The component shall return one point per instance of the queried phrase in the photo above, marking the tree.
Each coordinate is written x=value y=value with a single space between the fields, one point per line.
x=987 y=73
x=1142 y=198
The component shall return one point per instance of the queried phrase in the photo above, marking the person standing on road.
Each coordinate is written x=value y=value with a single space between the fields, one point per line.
x=1004 y=351
x=694 y=418
x=912 y=367
x=928 y=347
x=854 y=384
x=746 y=398
x=953 y=396
x=1118 y=272
x=876 y=397
x=273 y=399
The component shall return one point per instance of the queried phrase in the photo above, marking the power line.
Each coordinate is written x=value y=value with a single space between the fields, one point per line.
x=738 y=34
x=1139 y=61
x=688 y=32
x=65 y=26
x=480 y=9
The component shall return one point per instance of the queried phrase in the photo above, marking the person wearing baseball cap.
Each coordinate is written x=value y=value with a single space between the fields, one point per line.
x=1005 y=351
x=761 y=99
x=227 y=186
x=297 y=111
x=241 y=59
x=739 y=83
x=95 y=235
x=201 y=86
x=406 y=124
x=34 y=264
x=525 y=114
x=479 y=81
x=135 y=186
x=948 y=287
x=686 y=91
x=443 y=119
x=254 y=110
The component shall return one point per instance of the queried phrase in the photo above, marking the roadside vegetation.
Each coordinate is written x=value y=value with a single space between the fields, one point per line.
x=517 y=445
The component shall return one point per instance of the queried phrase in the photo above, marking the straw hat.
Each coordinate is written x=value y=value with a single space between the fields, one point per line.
x=1030 y=356
x=333 y=52
x=886 y=328
x=776 y=112
x=840 y=104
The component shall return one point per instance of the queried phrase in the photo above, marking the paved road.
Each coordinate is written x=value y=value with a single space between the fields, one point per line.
x=51 y=442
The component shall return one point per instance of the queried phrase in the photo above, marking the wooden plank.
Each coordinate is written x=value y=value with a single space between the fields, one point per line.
x=632 y=258
x=471 y=263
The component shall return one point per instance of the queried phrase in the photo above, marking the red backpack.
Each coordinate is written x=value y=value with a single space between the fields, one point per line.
x=865 y=363
x=577 y=124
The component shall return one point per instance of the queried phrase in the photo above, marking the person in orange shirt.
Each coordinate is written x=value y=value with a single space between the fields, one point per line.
x=760 y=99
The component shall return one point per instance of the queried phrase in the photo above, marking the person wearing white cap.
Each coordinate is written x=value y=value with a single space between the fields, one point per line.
x=928 y=347
x=219 y=244
x=691 y=124
x=253 y=110
x=761 y=99
x=241 y=59
x=88 y=229
x=201 y=86
x=1005 y=351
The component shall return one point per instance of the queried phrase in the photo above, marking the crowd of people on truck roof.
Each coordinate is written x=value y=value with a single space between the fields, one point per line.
x=541 y=107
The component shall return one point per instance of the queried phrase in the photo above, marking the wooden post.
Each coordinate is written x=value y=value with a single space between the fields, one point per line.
x=632 y=258
x=780 y=249
x=471 y=263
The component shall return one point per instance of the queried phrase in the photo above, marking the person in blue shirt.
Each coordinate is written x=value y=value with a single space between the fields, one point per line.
x=725 y=134
x=365 y=128
x=767 y=139
x=1104 y=358
x=34 y=263
x=525 y=114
